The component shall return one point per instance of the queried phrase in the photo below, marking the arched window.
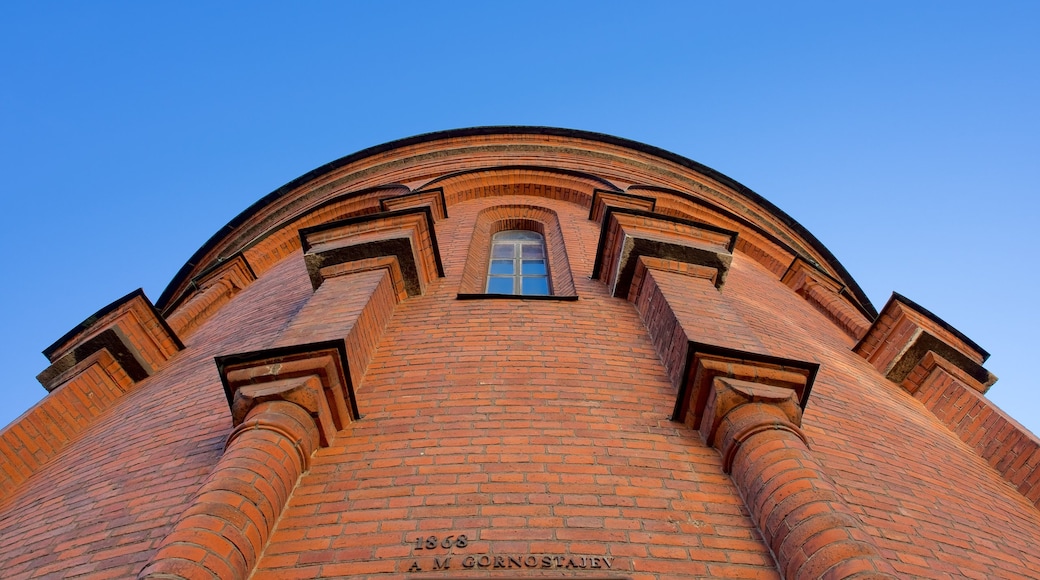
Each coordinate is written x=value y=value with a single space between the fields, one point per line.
x=518 y=265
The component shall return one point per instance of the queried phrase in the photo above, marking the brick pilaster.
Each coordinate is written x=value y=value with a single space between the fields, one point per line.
x=285 y=403
x=808 y=527
x=224 y=531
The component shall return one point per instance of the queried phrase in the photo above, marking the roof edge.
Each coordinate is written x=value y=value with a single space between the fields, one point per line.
x=213 y=241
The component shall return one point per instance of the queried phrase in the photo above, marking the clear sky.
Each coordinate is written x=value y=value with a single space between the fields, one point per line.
x=904 y=135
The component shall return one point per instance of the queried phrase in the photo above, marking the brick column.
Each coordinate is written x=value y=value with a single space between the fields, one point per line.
x=223 y=532
x=285 y=403
x=810 y=530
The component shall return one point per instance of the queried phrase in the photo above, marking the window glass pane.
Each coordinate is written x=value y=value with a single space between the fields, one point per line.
x=536 y=267
x=501 y=267
x=532 y=251
x=517 y=235
x=535 y=286
x=518 y=264
x=502 y=250
x=500 y=285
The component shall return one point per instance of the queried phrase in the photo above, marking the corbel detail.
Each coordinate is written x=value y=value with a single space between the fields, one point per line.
x=904 y=334
x=211 y=290
x=603 y=199
x=626 y=235
x=942 y=369
x=433 y=198
x=130 y=329
x=707 y=362
x=313 y=376
x=825 y=294
x=407 y=235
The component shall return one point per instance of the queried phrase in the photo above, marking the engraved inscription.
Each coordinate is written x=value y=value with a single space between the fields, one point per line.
x=433 y=542
x=496 y=562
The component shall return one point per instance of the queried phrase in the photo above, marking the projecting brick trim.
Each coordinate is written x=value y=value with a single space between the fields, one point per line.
x=904 y=333
x=500 y=218
x=224 y=531
x=354 y=308
x=825 y=294
x=951 y=396
x=627 y=234
x=749 y=407
x=407 y=234
x=648 y=263
x=313 y=376
x=810 y=530
x=602 y=199
x=388 y=263
x=212 y=290
x=757 y=242
x=434 y=198
x=768 y=252
x=42 y=431
x=273 y=246
x=549 y=182
x=707 y=362
x=129 y=328
x=666 y=332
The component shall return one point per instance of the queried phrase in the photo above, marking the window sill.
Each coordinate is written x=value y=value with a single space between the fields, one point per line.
x=515 y=297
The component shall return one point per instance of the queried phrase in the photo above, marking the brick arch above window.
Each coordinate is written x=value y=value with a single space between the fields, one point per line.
x=516 y=217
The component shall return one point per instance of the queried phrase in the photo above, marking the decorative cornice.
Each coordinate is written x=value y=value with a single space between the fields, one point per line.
x=434 y=198
x=130 y=329
x=477 y=134
x=208 y=292
x=602 y=199
x=628 y=234
x=904 y=333
x=826 y=294
x=406 y=234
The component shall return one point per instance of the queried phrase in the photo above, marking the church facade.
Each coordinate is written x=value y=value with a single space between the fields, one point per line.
x=516 y=352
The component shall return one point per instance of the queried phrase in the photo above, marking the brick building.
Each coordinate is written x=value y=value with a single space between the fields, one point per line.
x=516 y=352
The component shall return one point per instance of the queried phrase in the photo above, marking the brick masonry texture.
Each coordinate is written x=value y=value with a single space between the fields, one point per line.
x=538 y=429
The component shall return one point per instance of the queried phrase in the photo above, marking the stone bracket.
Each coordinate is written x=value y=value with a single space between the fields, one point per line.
x=903 y=335
x=130 y=329
x=705 y=363
x=434 y=198
x=406 y=234
x=314 y=376
x=628 y=234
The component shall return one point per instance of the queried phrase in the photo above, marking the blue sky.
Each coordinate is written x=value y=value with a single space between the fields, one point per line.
x=904 y=135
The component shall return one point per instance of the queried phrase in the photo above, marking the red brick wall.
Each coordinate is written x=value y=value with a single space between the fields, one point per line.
x=538 y=429
x=532 y=427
